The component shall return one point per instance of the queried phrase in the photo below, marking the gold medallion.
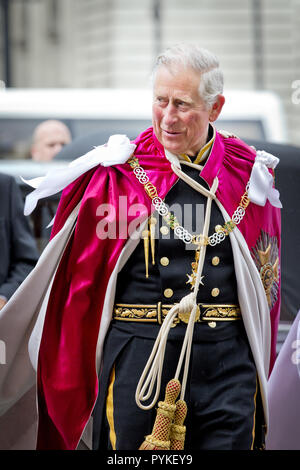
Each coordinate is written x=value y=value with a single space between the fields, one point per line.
x=184 y=317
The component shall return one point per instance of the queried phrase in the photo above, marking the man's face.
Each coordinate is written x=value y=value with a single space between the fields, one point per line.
x=51 y=140
x=179 y=115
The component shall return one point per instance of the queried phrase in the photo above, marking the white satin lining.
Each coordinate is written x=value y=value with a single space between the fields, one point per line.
x=261 y=181
x=117 y=151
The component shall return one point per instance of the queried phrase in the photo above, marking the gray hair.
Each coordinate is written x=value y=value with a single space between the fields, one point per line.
x=202 y=61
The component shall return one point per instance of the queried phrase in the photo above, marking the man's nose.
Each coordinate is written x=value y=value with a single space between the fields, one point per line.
x=56 y=148
x=170 y=115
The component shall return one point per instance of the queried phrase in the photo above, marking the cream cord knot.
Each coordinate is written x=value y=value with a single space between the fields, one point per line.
x=153 y=369
x=187 y=303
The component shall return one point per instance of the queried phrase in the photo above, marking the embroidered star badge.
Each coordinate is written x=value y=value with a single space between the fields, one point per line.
x=192 y=279
x=265 y=254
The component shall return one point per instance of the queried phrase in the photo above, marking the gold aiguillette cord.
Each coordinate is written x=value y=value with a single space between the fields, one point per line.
x=152 y=223
x=145 y=235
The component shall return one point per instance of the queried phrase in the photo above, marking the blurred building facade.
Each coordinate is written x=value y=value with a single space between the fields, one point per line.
x=112 y=43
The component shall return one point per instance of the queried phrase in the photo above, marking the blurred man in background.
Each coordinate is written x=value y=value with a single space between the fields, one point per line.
x=18 y=252
x=48 y=139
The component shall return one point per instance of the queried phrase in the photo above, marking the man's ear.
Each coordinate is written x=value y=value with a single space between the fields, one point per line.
x=34 y=152
x=216 y=108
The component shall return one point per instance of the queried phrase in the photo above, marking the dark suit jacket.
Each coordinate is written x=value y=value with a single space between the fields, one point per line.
x=18 y=251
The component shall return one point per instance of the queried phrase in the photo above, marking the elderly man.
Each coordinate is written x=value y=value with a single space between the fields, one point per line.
x=166 y=284
x=48 y=139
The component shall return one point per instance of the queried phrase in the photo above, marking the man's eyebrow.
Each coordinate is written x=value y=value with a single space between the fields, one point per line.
x=175 y=99
x=184 y=99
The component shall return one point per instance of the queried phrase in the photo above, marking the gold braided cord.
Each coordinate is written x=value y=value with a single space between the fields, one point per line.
x=157 y=442
x=166 y=406
x=179 y=430
x=160 y=436
x=178 y=438
x=166 y=413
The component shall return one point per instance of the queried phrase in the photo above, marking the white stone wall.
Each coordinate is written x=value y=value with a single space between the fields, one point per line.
x=221 y=26
x=281 y=43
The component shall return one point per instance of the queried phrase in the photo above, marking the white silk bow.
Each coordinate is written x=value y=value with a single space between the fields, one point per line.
x=261 y=181
x=117 y=151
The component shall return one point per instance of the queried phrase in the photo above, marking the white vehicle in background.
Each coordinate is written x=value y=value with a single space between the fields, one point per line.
x=248 y=114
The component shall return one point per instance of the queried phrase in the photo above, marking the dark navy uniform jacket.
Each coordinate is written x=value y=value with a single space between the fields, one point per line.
x=127 y=346
x=173 y=259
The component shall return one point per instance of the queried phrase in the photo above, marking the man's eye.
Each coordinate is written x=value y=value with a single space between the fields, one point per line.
x=182 y=105
x=161 y=100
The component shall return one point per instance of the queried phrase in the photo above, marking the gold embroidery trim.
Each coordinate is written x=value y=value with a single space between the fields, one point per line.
x=203 y=153
x=156 y=313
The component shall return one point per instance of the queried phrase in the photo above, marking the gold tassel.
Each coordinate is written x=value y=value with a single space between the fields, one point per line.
x=145 y=235
x=159 y=439
x=152 y=223
x=177 y=432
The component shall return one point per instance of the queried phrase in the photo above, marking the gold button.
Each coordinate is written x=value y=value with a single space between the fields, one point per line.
x=164 y=230
x=215 y=292
x=168 y=293
x=215 y=261
x=164 y=261
x=212 y=324
x=218 y=228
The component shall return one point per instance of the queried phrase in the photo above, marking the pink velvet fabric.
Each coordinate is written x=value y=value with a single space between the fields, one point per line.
x=67 y=376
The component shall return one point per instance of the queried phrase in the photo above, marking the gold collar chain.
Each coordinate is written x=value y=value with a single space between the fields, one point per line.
x=199 y=240
x=161 y=207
